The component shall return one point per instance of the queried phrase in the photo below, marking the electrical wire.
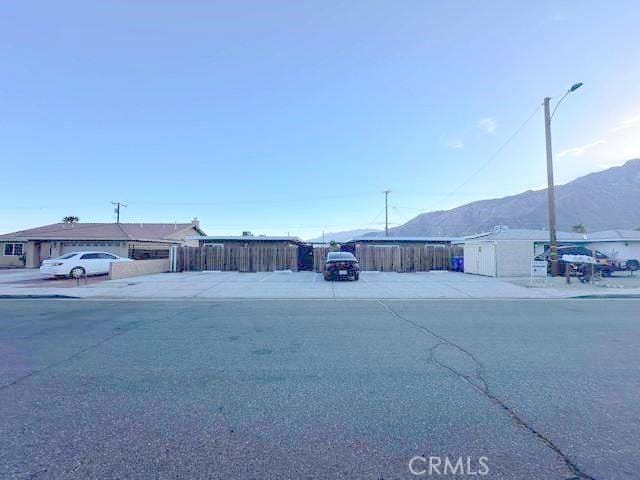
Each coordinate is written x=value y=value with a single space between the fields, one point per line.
x=486 y=163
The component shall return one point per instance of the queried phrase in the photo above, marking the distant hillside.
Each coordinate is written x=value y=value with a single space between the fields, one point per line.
x=600 y=201
x=343 y=236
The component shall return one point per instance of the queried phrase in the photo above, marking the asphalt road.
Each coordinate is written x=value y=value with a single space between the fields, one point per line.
x=543 y=389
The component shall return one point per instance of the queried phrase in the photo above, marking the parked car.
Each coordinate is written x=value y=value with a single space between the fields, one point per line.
x=79 y=264
x=630 y=265
x=603 y=263
x=341 y=265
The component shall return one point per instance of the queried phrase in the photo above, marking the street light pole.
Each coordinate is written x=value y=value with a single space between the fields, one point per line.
x=386 y=212
x=551 y=198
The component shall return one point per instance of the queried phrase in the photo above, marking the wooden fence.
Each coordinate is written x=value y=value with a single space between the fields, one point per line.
x=254 y=258
x=406 y=258
x=319 y=258
x=269 y=258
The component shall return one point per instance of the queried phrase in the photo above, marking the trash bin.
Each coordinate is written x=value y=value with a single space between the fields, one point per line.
x=456 y=263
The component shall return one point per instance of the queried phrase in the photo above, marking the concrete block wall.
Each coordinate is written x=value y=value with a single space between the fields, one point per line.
x=138 y=267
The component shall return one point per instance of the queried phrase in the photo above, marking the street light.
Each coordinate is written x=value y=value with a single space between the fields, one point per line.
x=553 y=247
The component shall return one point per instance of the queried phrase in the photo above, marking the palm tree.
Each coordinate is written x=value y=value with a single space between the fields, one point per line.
x=579 y=228
x=71 y=219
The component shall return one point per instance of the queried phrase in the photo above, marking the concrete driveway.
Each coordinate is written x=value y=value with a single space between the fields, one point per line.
x=309 y=285
x=28 y=280
x=295 y=285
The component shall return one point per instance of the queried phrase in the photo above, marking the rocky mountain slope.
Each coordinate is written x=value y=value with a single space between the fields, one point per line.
x=599 y=201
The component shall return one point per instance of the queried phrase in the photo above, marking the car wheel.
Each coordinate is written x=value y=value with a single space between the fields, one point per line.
x=356 y=277
x=77 y=272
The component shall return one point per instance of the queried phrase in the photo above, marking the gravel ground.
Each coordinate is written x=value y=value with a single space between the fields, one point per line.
x=545 y=389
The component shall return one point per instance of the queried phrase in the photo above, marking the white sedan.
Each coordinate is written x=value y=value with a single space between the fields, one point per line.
x=80 y=264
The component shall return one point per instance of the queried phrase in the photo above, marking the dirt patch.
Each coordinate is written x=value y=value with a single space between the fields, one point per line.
x=47 y=282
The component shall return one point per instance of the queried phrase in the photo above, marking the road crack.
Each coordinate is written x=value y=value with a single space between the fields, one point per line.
x=479 y=383
x=120 y=330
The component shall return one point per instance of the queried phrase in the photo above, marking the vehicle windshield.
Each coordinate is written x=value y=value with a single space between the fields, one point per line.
x=67 y=256
x=336 y=256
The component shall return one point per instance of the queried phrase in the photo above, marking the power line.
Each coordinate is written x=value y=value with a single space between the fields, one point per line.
x=490 y=159
x=386 y=212
x=396 y=209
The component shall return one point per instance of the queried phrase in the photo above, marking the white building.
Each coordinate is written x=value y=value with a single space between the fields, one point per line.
x=508 y=252
x=616 y=244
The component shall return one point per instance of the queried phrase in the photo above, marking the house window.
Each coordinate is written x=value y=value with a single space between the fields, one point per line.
x=13 y=249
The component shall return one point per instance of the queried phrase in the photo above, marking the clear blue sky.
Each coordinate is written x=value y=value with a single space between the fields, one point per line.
x=279 y=117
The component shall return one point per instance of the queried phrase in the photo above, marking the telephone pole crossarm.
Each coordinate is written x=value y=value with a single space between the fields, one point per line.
x=117 y=209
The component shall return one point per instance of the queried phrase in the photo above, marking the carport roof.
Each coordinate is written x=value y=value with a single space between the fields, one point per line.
x=245 y=238
x=404 y=239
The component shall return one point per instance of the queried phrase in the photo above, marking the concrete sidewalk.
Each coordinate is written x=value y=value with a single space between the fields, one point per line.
x=306 y=285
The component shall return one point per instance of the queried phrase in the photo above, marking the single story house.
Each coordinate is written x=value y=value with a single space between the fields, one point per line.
x=616 y=244
x=506 y=252
x=134 y=240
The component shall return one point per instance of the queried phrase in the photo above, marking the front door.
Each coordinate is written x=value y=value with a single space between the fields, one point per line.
x=34 y=260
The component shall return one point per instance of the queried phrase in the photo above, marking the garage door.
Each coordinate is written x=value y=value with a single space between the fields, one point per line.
x=480 y=259
x=111 y=247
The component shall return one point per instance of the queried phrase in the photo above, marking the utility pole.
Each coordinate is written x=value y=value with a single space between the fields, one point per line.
x=551 y=198
x=386 y=212
x=117 y=209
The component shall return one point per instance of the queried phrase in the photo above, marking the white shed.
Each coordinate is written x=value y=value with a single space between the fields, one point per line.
x=508 y=253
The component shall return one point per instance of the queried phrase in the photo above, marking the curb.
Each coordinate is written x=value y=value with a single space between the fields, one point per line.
x=17 y=297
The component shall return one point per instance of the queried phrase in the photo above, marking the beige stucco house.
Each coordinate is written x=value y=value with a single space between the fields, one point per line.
x=134 y=240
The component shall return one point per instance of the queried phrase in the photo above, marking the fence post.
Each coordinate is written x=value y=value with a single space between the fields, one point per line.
x=173 y=253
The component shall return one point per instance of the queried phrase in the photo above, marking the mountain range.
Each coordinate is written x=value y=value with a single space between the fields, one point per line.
x=604 y=200
x=345 y=236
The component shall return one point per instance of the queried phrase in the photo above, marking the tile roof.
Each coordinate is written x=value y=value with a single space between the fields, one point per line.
x=100 y=231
